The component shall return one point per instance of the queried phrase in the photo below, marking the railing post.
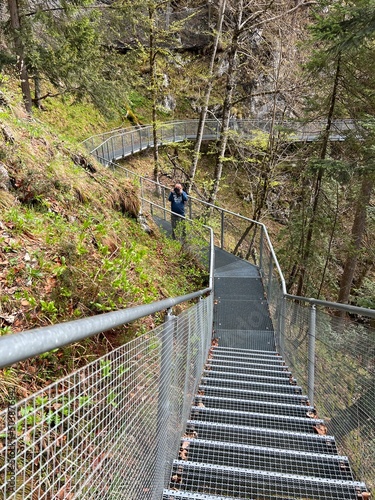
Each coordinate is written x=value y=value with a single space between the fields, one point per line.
x=141 y=189
x=123 y=144
x=311 y=355
x=165 y=377
x=261 y=243
x=269 y=287
x=188 y=361
x=164 y=204
x=282 y=327
x=222 y=231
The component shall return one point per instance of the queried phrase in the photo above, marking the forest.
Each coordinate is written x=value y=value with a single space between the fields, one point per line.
x=129 y=63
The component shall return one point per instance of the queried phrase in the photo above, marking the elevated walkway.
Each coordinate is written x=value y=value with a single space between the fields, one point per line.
x=252 y=433
x=121 y=143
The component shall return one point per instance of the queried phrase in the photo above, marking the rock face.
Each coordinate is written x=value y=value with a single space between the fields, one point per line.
x=195 y=35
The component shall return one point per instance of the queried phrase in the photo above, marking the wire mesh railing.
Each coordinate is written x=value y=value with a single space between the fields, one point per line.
x=111 y=429
x=333 y=358
x=120 y=143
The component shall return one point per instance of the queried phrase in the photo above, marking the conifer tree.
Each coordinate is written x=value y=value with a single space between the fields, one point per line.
x=67 y=44
x=343 y=86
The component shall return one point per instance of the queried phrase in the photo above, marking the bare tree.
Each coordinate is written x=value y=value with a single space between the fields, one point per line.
x=210 y=83
x=20 y=53
x=248 y=16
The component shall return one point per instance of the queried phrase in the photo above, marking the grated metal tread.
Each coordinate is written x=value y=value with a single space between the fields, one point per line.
x=247 y=364
x=237 y=482
x=269 y=421
x=239 y=287
x=242 y=315
x=253 y=405
x=249 y=370
x=269 y=459
x=258 y=436
x=247 y=352
x=229 y=383
x=286 y=379
x=247 y=356
x=186 y=495
x=224 y=392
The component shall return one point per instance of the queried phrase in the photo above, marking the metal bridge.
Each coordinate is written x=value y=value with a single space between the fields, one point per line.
x=250 y=393
x=121 y=143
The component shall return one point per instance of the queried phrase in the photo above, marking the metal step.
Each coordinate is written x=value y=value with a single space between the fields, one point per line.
x=267 y=459
x=256 y=353
x=282 y=379
x=234 y=358
x=253 y=406
x=237 y=482
x=248 y=370
x=251 y=384
x=223 y=392
x=235 y=362
x=298 y=424
x=259 y=436
x=186 y=495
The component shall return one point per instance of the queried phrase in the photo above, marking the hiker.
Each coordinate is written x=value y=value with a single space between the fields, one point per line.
x=178 y=198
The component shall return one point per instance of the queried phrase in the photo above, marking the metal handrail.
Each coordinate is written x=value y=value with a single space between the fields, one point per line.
x=20 y=346
x=328 y=304
x=215 y=207
x=361 y=311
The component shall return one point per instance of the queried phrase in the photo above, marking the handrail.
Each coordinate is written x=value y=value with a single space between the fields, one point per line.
x=361 y=311
x=334 y=305
x=345 y=307
x=20 y=346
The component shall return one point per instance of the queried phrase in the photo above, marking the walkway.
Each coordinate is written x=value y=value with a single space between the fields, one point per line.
x=121 y=143
x=251 y=432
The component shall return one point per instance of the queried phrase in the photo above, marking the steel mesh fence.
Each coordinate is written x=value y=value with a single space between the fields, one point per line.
x=111 y=429
x=344 y=383
x=123 y=142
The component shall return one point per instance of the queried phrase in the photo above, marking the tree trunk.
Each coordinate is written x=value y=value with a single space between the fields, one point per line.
x=318 y=182
x=152 y=64
x=230 y=85
x=358 y=229
x=19 y=48
x=203 y=114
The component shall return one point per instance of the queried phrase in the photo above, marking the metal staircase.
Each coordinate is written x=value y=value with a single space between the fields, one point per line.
x=252 y=433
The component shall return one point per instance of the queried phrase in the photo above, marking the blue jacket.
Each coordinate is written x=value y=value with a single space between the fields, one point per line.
x=178 y=202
